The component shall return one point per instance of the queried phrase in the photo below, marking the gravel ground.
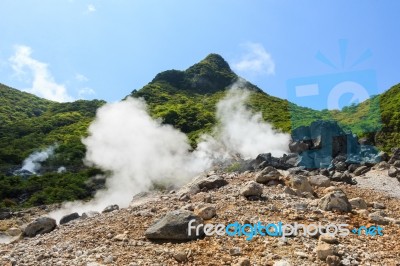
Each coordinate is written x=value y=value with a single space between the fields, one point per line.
x=379 y=181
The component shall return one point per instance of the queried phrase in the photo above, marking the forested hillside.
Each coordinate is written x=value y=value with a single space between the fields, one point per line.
x=185 y=99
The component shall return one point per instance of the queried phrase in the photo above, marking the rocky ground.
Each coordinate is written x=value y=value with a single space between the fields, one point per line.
x=123 y=237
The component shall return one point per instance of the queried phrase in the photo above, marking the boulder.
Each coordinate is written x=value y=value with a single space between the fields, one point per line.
x=111 y=208
x=39 y=226
x=335 y=200
x=174 y=226
x=252 y=189
x=358 y=203
x=89 y=214
x=212 y=182
x=5 y=215
x=397 y=164
x=266 y=159
x=319 y=181
x=70 y=217
x=267 y=174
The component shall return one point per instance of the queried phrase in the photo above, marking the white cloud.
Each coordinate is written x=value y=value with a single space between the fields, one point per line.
x=91 y=8
x=255 y=61
x=43 y=83
x=81 y=78
x=85 y=91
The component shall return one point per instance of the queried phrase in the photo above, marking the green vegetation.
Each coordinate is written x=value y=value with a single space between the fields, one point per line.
x=17 y=192
x=185 y=99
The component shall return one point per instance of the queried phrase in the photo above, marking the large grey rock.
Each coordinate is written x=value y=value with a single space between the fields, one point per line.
x=336 y=200
x=319 y=181
x=252 y=189
x=174 y=226
x=41 y=225
x=267 y=174
x=5 y=214
x=211 y=182
x=68 y=218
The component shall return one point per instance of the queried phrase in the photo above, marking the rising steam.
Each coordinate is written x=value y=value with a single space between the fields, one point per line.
x=139 y=151
x=33 y=162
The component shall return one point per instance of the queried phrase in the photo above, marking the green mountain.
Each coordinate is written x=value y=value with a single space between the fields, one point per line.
x=185 y=99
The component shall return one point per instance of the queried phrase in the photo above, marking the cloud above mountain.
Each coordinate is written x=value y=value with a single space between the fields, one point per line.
x=255 y=61
x=38 y=73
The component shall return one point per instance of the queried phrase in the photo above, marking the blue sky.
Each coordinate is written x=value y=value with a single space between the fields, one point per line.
x=70 y=49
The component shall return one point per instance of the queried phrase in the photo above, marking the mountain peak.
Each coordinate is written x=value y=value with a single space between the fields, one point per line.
x=210 y=75
x=217 y=62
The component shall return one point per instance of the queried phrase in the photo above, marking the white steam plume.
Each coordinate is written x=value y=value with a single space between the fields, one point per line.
x=240 y=131
x=33 y=162
x=138 y=150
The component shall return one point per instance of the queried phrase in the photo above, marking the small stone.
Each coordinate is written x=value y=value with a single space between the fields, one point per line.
x=121 y=237
x=361 y=170
x=358 y=203
x=13 y=231
x=180 y=256
x=393 y=171
x=333 y=260
x=289 y=191
x=319 y=181
x=108 y=259
x=282 y=263
x=207 y=199
x=111 y=208
x=207 y=212
x=378 y=205
x=252 y=189
x=377 y=219
x=328 y=239
x=243 y=262
x=324 y=250
x=235 y=251
x=301 y=254
x=89 y=214
x=267 y=174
